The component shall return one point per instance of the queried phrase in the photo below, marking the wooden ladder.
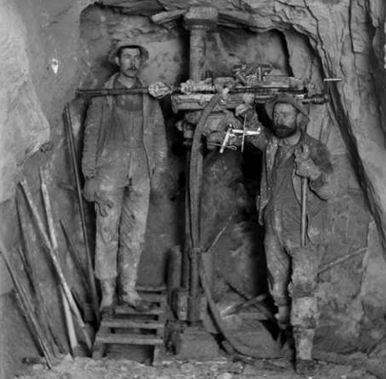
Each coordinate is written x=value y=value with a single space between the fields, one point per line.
x=130 y=327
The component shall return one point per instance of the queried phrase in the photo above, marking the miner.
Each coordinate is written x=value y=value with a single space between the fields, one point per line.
x=290 y=155
x=124 y=157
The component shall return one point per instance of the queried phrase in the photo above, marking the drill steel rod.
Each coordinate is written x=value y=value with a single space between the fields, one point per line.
x=40 y=309
x=53 y=255
x=91 y=277
x=304 y=212
x=260 y=90
x=27 y=309
x=54 y=243
x=75 y=256
x=27 y=256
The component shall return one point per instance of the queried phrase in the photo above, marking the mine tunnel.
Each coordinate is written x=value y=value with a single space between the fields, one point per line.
x=205 y=273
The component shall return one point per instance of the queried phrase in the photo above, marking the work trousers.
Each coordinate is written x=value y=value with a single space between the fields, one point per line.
x=120 y=232
x=293 y=280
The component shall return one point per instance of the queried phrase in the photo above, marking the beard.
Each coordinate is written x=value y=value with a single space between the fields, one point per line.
x=284 y=131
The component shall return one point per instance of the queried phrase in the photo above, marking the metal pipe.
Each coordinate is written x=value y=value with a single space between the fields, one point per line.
x=198 y=33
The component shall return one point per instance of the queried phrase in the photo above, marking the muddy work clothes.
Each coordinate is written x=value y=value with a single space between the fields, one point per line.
x=279 y=206
x=292 y=268
x=282 y=217
x=121 y=231
x=125 y=147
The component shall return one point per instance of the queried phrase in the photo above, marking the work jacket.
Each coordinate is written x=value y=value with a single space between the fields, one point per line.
x=319 y=190
x=99 y=118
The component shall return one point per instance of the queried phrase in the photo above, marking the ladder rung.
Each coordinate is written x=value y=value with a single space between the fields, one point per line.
x=150 y=289
x=126 y=310
x=153 y=297
x=128 y=339
x=123 y=323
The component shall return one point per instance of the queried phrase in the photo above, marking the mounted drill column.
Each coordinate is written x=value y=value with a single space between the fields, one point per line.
x=199 y=20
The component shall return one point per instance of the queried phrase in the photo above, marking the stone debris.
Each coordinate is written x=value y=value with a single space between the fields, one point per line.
x=86 y=368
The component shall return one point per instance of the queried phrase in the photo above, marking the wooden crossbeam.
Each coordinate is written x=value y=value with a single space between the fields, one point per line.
x=129 y=339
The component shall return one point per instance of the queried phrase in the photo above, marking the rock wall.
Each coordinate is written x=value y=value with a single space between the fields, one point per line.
x=44 y=60
x=40 y=46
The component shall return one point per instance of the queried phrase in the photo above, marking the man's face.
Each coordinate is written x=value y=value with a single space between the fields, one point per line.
x=284 y=120
x=129 y=61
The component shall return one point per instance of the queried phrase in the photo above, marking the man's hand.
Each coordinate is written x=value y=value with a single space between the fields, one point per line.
x=159 y=90
x=305 y=167
x=90 y=189
x=247 y=106
x=283 y=316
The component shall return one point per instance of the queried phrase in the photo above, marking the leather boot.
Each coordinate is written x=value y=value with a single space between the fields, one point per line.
x=108 y=292
x=303 y=345
x=129 y=296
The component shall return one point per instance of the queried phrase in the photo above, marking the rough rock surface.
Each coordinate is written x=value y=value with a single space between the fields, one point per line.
x=44 y=61
x=24 y=126
x=84 y=368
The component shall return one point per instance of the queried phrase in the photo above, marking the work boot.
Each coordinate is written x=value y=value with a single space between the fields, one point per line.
x=129 y=296
x=303 y=339
x=108 y=292
x=305 y=367
x=132 y=299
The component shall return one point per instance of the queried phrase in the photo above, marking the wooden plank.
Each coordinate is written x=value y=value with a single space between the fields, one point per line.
x=123 y=323
x=150 y=288
x=153 y=297
x=129 y=339
x=126 y=310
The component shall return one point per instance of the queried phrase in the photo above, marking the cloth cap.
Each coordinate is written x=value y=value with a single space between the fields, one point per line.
x=119 y=45
x=285 y=98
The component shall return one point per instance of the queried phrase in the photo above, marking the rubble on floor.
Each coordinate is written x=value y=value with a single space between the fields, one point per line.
x=86 y=368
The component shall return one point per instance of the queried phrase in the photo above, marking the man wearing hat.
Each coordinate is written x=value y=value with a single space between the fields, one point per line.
x=124 y=156
x=290 y=155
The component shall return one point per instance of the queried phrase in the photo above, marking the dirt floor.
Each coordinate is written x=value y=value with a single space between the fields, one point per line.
x=86 y=368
